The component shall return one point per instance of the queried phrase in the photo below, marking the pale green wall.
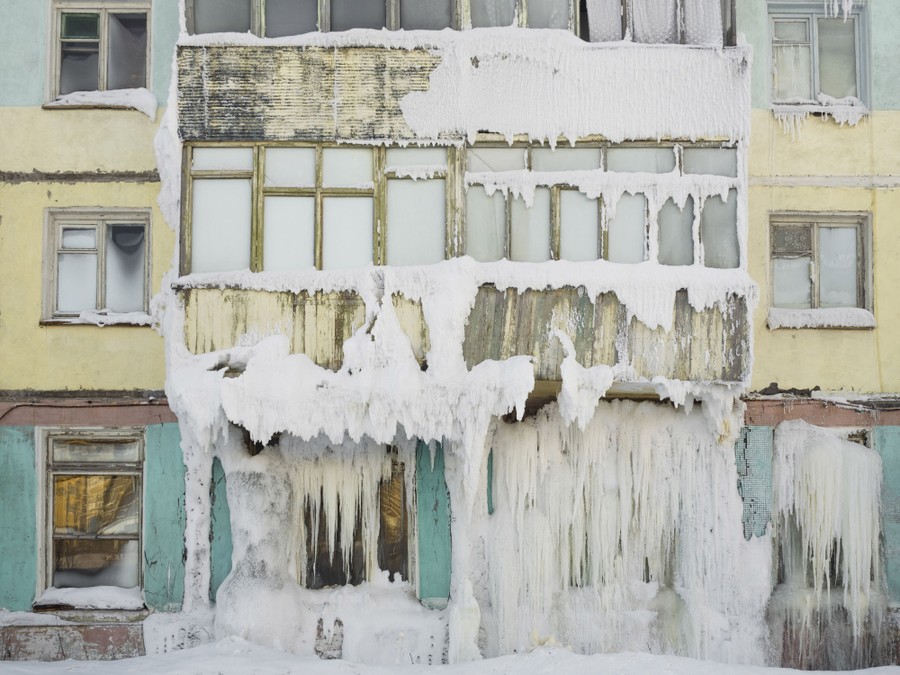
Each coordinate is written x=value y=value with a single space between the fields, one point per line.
x=753 y=460
x=18 y=520
x=433 y=523
x=220 y=530
x=887 y=443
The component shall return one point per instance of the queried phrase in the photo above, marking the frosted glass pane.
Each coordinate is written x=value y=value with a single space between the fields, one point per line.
x=346 y=232
x=416 y=215
x=220 y=225
x=531 y=229
x=225 y=159
x=604 y=20
x=79 y=237
x=289 y=233
x=703 y=22
x=416 y=157
x=646 y=160
x=837 y=267
x=347 y=167
x=485 y=225
x=791 y=31
x=837 y=57
x=715 y=161
x=565 y=159
x=291 y=17
x=492 y=13
x=579 y=226
x=78 y=70
x=125 y=265
x=76 y=281
x=127 y=51
x=290 y=167
x=718 y=231
x=494 y=159
x=425 y=14
x=793 y=73
x=676 y=243
x=548 y=14
x=219 y=16
x=792 y=287
x=347 y=14
x=626 y=235
x=655 y=21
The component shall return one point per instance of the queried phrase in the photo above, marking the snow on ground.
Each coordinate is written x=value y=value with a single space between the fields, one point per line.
x=240 y=657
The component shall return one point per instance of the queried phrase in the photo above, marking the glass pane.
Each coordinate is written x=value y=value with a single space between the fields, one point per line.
x=492 y=13
x=676 y=241
x=220 y=225
x=837 y=57
x=99 y=505
x=346 y=232
x=718 y=231
x=289 y=239
x=80 y=237
x=838 y=267
x=655 y=21
x=125 y=246
x=791 y=31
x=715 y=161
x=78 y=69
x=792 y=239
x=76 y=282
x=415 y=157
x=416 y=215
x=703 y=22
x=792 y=287
x=530 y=236
x=224 y=159
x=485 y=225
x=127 y=51
x=290 y=167
x=90 y=562
x=645 y=160
x=793 y=73
x=425 y=14
x=579 y=226
x=494 y=159
x=565 y=159
x=627 y=231
x=220 y=16
x=605 y=20
x=347 y=14
x=95 y=450
x=80 y=26
x=347 y=167
x=393 y=539
x=291 y=17
x=548 y=14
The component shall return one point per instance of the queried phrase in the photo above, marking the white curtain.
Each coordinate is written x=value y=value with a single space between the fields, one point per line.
x=654 y=21
x=605 y=20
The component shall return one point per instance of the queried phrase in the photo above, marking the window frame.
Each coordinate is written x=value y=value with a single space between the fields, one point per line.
x=98 y=219
x=103 y=8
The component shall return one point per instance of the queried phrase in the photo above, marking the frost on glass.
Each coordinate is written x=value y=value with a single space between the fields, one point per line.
x=347 y=167
x=792 y=63
x=837 y=57
x=290 y=167
x=416 y=215
x=289 y=233
x=718 y=231
x=291 y=17
x=487 y=13
x=485 y=225
x=838 y=267
x=220 y=16
x=676 y=242
x=604 y=20
x=703 y=22
x=579 y=226
x=494 y=159
x=645 y=160
x=627 y=230
x=654 y=21
x=565 y=159
x=125 y=267
x=548 y=14
x=346 y=232
x=425 y=14
x=714 y=161
x=792 y=286
x=395 y=157
x=96 y=450
x=220 y=225
x=127 y=56
x=347 y=14
x=223 y=159
x=76 y=282
x=530 y=228
x=79 y=237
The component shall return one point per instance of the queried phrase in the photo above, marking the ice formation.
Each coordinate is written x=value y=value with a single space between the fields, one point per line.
x=141 y=99
x=840 y=317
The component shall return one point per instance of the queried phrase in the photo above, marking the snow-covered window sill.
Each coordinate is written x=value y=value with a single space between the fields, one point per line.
x=92 y=318
x=142 y=100
x=840 y=317
x=842 y=113
x=91 y=598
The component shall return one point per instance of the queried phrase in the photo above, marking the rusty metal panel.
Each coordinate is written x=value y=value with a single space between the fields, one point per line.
x=73 y=641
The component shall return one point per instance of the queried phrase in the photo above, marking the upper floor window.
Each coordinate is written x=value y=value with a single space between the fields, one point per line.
x=99 y=46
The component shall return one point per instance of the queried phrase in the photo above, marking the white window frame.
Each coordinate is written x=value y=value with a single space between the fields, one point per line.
x=98 y=219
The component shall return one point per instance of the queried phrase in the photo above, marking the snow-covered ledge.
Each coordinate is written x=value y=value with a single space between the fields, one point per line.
x=104 y=318
x=142 y=100
x=93 y=597
x=848 y=110
x=839 y=317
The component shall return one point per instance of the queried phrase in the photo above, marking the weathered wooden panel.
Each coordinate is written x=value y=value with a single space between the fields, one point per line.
x=291 y=93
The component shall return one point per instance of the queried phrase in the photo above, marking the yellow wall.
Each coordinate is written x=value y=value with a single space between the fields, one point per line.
x=828 y=168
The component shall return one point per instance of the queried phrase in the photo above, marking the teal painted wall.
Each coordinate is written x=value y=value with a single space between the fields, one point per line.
x=164 y=518
x=887 y=443
x=220 y=530
x=18 y=513
x=433 y=523
x=164 y=28
x=753 y=459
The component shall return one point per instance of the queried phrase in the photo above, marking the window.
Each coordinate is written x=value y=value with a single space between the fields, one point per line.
x=817 y=58
x=98 y=262
x=93 y=520
x=100 y=46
